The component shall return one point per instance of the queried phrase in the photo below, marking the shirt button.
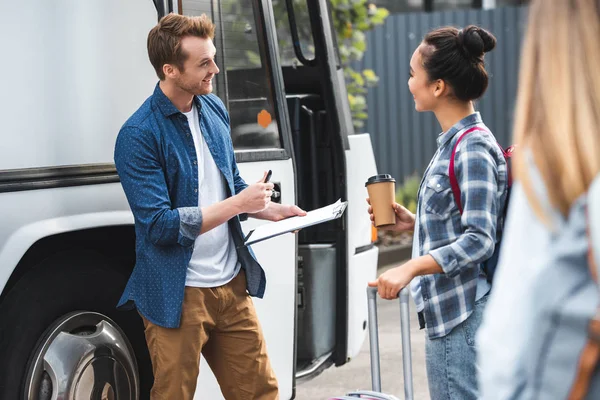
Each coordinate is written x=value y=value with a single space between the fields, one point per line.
x=195 y=162
x=195 y=190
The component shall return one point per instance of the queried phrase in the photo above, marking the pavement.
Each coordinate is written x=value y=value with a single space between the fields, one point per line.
x=356 y=374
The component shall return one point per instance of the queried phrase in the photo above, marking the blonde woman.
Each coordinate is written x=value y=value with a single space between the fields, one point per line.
x=535 y=326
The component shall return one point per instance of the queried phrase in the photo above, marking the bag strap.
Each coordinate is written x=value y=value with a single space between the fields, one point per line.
x=590 y=355
x=452 y=174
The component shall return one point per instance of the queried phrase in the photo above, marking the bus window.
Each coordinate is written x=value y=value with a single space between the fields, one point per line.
x=284 y=35
x=244 y=82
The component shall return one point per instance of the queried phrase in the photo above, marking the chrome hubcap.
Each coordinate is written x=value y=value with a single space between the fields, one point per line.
x=84 y=355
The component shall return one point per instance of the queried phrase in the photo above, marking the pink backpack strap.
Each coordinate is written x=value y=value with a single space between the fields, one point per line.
x=507 y=155
x=451 y=173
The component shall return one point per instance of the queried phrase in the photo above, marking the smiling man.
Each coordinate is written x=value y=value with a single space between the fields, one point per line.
x=193 y=277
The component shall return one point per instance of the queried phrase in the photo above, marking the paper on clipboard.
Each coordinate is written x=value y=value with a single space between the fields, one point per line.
x=292 y=224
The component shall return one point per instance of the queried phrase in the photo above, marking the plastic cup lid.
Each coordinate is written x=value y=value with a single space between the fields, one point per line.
x=380 y=178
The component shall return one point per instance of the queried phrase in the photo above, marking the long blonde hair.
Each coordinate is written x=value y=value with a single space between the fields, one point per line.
x=558 y=104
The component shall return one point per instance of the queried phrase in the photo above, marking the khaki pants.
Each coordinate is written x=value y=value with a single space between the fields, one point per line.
x=220 y=323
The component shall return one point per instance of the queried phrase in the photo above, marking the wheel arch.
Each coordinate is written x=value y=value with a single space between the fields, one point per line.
x=110 y=234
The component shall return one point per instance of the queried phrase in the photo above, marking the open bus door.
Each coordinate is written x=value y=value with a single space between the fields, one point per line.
x=332 y=162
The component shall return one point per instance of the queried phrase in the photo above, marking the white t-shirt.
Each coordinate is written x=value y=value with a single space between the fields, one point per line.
x=214 y=260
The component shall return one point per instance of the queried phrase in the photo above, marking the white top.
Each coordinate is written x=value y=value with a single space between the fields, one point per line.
x=506 y=329
x=214 y=260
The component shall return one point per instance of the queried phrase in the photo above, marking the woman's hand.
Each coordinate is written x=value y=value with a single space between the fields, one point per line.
x=405 y=220
x=392 y=281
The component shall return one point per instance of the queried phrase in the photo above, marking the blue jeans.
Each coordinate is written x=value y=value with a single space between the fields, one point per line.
x=451 y=369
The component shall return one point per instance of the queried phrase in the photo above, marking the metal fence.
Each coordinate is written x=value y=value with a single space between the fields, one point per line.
x=405 y=140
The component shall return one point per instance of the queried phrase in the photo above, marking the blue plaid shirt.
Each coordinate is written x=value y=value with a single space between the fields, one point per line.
x=459 y=243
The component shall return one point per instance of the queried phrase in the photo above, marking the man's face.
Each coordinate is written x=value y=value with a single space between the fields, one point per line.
x=199 y=69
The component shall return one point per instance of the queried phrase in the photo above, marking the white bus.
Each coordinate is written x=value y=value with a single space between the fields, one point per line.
x=74 y=71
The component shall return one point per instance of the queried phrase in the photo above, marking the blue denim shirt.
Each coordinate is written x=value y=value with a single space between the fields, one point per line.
x=157 y=163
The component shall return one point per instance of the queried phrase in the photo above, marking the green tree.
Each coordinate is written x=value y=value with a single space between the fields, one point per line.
x=407 y=193
x=352 y=18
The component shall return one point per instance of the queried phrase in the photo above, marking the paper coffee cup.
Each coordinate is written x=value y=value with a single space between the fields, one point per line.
x=382 y=193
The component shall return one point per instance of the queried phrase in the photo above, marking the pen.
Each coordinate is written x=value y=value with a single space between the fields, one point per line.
x=268 y=176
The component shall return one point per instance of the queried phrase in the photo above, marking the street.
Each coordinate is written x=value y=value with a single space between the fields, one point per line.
x=356 y=374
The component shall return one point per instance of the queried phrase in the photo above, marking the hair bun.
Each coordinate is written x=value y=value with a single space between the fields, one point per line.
x=476 y=41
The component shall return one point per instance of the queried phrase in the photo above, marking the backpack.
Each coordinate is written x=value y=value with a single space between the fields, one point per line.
x=489 y=266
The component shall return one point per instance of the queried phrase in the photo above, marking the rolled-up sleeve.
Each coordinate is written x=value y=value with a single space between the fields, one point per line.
x=142 y=178
x=190 y=222
x=477 y=175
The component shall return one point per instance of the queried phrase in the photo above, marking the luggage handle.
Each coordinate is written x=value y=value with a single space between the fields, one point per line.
x=367 y=394
x=374 y=341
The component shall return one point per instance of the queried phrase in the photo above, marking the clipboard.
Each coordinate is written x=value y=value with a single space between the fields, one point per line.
x=314 y=217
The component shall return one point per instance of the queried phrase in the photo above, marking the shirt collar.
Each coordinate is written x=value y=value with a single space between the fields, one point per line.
x=464 y=123
x=166 y=106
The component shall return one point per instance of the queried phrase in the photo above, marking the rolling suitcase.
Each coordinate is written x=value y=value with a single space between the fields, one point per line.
x=376 y=394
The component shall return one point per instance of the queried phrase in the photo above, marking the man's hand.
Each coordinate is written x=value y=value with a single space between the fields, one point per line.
x=256 y=197
x=405 y=220
x=392 y=281
x=286 y=211
x=277 y=212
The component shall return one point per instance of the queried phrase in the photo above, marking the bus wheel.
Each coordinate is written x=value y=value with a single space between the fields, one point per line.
x=61 y=335
x=83 y=355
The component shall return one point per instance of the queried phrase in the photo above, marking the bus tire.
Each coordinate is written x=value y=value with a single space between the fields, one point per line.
x=52 y=291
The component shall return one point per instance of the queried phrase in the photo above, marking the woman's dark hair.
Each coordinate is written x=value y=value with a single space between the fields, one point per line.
x=456 y=57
